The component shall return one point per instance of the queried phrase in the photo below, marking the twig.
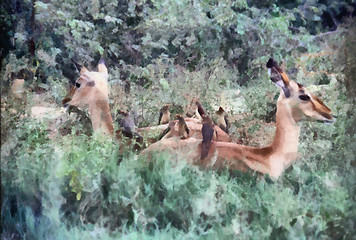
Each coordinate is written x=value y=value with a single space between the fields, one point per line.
x=328 y=33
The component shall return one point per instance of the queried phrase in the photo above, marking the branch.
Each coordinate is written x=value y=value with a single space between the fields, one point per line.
x=328 y=33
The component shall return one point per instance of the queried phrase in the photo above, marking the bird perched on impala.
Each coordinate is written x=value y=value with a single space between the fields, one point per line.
x=294 y=105
x=170 y=131
x=200 y=111
x=164 y=115
x=127 y=127
x=208 y=133
x=183 y=130
x=222 y=120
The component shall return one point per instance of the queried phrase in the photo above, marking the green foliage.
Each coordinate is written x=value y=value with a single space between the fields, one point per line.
x=138 y=32
x=168 y=197
x=176 y=85
x=167 y=52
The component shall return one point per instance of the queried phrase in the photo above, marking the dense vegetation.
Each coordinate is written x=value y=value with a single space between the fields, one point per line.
x=76 y=185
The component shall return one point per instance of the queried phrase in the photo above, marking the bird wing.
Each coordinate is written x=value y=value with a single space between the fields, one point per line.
x=186 y=129
x=160 y=117
x=201 y=110
x=208 y=133
x=127 y=125
x=205 y=147
x=227 y=123
x=166 y=131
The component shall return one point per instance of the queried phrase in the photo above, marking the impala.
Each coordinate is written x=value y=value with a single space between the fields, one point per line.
x=295 y=103
x=91 y=90
x=194 y=125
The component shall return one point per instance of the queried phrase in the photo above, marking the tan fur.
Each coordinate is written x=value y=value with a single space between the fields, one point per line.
x=194 y=126
x=273 y=159
x=172 y=132
x=315 y=108
x=102 y=68
x=93 y=93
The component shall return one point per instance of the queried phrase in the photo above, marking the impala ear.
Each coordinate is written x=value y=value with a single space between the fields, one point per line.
x=101 y=66
x=286 y=92
x=83 y=70
x=76 y=64
x=277 y=76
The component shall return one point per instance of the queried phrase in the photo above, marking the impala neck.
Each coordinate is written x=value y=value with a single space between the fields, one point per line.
x=286 y=138
x=101 y=116
x=274 y=159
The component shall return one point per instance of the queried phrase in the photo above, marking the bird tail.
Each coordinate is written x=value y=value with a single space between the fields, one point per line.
x=205 y=147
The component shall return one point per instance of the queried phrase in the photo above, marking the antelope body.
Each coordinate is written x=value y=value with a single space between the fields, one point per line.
x=194 y=125
x=294 y=104
x=91 y=90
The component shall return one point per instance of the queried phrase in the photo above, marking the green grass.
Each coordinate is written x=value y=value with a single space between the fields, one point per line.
x=80 y=187
x=76 y=188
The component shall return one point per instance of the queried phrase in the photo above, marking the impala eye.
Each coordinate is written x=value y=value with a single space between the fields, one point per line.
x=77 y=85
x=304 y=97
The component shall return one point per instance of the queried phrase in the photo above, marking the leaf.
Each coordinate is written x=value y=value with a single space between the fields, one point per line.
x=164 y=84
x=79 y=196
x=191 y=40
x=136 y=47
x=316 y=18
x=110 y=19
x=101 y=50
x=40 y=6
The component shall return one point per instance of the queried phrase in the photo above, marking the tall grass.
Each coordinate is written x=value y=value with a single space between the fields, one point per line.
x=81 y=187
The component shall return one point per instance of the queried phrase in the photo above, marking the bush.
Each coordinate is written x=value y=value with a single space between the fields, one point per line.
x=159 y=52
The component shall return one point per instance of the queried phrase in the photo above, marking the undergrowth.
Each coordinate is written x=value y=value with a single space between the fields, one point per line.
x=78 y=188
x=167 y=52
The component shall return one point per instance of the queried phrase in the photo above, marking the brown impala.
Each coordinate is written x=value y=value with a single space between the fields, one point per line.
x=91 y=90
x=295 y=103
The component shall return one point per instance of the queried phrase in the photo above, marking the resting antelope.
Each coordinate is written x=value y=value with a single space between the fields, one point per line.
x=91 y=90
x=295 y=103
x=194 y=125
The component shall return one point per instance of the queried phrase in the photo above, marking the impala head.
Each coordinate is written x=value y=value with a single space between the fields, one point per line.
x=89 y=87
x=298 y=98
